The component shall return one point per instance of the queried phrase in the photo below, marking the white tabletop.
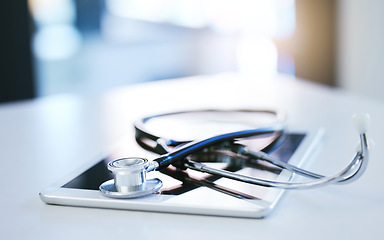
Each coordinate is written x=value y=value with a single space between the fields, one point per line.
x=45 y=139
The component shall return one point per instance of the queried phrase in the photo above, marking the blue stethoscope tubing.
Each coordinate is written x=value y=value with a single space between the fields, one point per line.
x=193 y=147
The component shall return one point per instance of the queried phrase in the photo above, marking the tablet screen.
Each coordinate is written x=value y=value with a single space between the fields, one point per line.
x=176 y=182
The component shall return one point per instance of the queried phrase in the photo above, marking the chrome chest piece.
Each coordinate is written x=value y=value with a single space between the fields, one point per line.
x=129 y=179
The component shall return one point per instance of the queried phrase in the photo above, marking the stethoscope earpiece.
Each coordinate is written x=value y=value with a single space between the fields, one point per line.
x=362 y=122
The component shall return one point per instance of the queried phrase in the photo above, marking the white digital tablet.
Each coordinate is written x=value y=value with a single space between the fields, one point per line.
x=188 y=191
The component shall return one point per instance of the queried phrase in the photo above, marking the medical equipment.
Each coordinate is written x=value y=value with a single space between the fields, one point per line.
x=130 y=173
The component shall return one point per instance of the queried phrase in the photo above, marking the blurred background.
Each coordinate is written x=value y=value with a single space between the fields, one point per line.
x=90 y=46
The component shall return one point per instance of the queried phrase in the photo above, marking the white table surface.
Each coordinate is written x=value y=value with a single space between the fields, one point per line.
x=45 y=139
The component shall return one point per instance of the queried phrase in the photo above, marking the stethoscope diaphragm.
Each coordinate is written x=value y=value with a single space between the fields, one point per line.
x=129 y=179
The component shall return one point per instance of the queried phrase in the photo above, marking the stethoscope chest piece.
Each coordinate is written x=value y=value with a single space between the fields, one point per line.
x=129 y=179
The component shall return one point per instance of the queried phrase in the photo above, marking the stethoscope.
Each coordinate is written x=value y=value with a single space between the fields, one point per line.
x=130 y=173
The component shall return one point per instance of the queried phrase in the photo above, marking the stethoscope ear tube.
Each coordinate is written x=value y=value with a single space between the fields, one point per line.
x=363 y=154
x=351 y=173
